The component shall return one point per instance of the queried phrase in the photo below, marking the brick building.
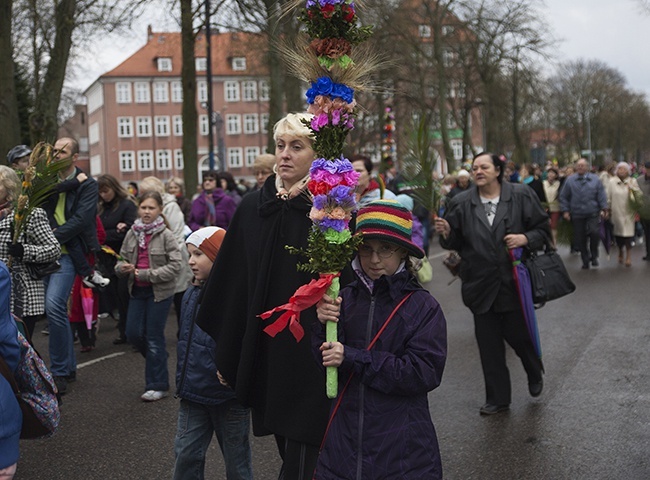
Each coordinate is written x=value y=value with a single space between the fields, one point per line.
x=134 y=111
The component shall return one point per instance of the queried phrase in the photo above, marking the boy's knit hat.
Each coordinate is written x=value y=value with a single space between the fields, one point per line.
x=388 y=221
x=208 y=240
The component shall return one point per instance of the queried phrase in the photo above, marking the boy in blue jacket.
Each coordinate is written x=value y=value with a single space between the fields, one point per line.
x=207 y=407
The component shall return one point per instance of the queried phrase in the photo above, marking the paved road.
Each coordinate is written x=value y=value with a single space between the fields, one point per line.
x=591 y=422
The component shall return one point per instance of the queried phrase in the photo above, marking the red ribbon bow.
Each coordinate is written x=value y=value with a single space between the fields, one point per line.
x=305 y=297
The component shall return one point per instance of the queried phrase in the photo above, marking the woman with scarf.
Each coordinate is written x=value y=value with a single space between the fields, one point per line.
x=253 y=273
x=213 y=208
x=152 y=261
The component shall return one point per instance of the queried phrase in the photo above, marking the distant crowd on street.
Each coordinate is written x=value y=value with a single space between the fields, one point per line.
x=130 y=252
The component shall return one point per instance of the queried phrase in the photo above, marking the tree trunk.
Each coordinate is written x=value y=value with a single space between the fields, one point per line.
x=43 y=121
x=188 y=78
x=276 y=88
x=9 y=122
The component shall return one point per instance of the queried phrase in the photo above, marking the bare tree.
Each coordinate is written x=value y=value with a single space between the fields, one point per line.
x=9 y=121
x=44 y=35
x=590 y=92
x=507 y=39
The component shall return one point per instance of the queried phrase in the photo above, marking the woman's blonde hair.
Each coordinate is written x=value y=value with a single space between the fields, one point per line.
x=151 y=184
x=293 y=125
x=178 y=181
x=10 y=181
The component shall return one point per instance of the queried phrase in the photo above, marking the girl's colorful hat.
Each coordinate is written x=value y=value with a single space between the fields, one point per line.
x=388 y=221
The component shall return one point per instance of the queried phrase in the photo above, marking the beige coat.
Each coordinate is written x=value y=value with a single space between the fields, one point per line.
x=552 y=192
x=618 y=194
x=165 y=262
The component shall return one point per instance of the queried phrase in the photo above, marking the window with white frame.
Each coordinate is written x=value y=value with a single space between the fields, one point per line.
x=162 y=125
x=93 y=133
x=143 y=126
x=451 y=121
x=95 y=165
x=178 y=159
x=264 y=122
x=164 y=159
x=457 y=147
x=231 y=90
x=177 y=92
x=204 y=125
x=451 y=93
x=123 y=92
x=251 y=154
x=448 y=57
x=251 y=123
x=160 y=92
x=145 y=160
x=447 y=29
x=235 y=157
x=249 y=90
x=164 y=64
x=265 y=91
x=127 y=161
x=202 y=91
x=177 y=125
x=124 y=127
x=233 y=124
x=239 y=64
x=424 y=31
x=201 y=64
x=142 y=92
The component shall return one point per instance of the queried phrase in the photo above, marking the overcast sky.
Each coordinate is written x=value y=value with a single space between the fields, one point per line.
x=615 y=32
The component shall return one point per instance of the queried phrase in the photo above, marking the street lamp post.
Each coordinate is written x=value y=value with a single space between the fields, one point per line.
x=208 y=74
x=592 y=102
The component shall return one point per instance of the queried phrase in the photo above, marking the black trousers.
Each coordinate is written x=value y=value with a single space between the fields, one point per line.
x=491 y=329
x=586 y=237
x=298 y=459
x=646 y=234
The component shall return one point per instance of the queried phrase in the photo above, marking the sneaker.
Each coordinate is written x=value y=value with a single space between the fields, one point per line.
x=86 y=349
x=72 y=377
x=153 y=395
x=96 y=280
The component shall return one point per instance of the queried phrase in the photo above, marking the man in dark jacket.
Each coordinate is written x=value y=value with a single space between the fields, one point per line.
x=481 y=224
x=583 y=201
x=75 y=214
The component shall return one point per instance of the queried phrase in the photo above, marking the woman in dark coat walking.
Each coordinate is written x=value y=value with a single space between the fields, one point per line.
x=253 y=273
x=481 y=224
x=382 y=426
x=117 y=211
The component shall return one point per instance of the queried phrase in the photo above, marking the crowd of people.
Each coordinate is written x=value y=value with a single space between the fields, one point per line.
x=219 y=258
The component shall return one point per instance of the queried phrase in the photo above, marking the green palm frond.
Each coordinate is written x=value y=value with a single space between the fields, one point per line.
x=418 y=168
x=38 y=183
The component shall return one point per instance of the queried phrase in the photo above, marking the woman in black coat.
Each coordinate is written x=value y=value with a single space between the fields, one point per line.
x=482 y=224
x=117 y=211
x=253 y=273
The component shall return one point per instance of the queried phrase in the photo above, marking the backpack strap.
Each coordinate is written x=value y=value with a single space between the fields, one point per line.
x=370 y=345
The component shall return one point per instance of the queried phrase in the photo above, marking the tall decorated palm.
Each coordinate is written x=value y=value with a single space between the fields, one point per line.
x=329 y=59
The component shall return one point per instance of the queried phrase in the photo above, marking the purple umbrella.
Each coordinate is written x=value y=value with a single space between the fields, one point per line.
x=605 y=234
x=524 y=289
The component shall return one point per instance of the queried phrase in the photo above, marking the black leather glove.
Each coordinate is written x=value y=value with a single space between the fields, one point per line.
x=16 y=250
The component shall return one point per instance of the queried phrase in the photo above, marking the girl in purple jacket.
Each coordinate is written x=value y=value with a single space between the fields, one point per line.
x=391 y=352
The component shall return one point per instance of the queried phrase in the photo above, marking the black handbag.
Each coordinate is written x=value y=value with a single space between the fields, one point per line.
x=548 y=276
x=39 y=271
